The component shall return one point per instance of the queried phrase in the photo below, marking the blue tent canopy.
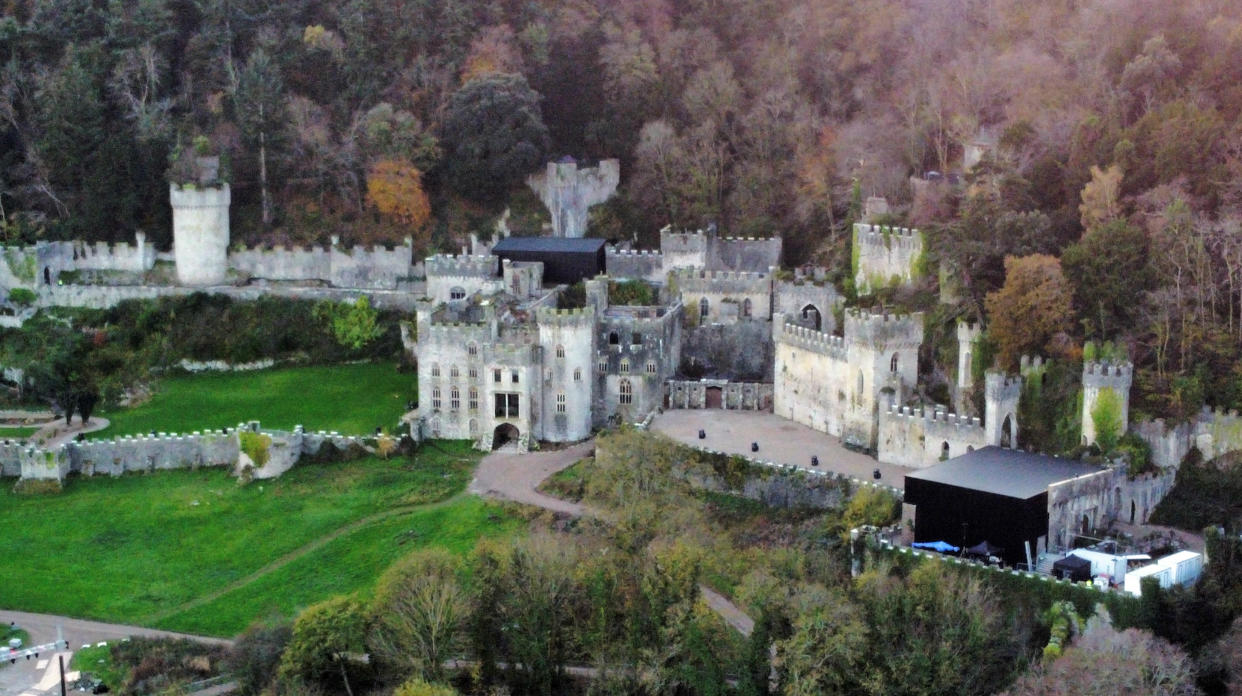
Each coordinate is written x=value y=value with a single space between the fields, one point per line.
x=941 y=546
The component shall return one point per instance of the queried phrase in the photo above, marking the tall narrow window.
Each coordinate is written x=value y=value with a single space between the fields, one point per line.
x=651 y=368
x=474 y=399
x=513 y=376
x=892 y=364
x=472 y=349
x=560 y=352
x=435 y=369
x=496 y=376
x=627 y=392
x=703 y=307
x=455 y=399
x=625 y=367
x=435 y=398
x=577 y=374
x=614 y=339
x=473 y=372
x=636 y=339
x=746 y=306
x=560 y=403
x=603 y=366
x=453 y=372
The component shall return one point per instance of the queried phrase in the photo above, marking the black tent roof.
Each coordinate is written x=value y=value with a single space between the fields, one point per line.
x=1075 y=567
x=985 y=548
x=1006 y=472
x=555 y=245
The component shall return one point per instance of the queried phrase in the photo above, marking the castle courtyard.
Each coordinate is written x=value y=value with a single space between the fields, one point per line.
x=780 y=440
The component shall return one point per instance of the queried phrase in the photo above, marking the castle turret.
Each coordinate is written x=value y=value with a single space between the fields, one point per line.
x=200 y=232
x=567 y=337
x=1105 y=381
x=568 y=192
x=968 y=332
x=1000 y=410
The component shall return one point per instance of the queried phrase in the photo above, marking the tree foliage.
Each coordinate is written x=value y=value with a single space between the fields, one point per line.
x=1031 y=307
x=493 y=135
x=395 y=188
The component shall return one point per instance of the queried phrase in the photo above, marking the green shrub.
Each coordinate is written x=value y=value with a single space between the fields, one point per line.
x=256 y=446
x=22 y=296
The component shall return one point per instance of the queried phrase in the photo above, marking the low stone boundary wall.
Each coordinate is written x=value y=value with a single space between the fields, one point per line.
x=734 y=396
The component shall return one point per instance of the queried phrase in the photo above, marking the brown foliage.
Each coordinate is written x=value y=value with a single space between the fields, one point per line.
x=1032 y=307
x=395 y=189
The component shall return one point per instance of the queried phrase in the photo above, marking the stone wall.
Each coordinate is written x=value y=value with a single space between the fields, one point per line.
x=802 y=300
x=741 y=351
x=638 y=366
x=104 y=296
x=200 y=233
x=917 y=438
x=634 y=265
x=451 y=276
x=569 y=192
x=885 y=255
x=734 y=396
x=727 y=296
x=1213 y=433
x=749 y=254
x=355 y=267
x=1097 y=500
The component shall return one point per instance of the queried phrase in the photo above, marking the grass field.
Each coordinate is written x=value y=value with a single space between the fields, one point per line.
x=17 y=433
x=352 y=399
x=140 y=548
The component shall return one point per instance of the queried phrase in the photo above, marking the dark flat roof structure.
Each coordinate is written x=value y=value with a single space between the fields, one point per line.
x=1005 y=472
x=549 y=245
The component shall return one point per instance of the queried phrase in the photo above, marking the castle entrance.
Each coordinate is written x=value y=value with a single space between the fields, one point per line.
x=505 y=434
x=714 y=398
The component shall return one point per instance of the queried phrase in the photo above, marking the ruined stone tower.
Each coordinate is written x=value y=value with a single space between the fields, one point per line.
x=200 y=232
x=568 y=192
x=1000 y=409
x=1099 y=378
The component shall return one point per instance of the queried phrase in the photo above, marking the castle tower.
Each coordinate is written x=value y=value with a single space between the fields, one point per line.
x=200 y=233
x=567 y=339
x=967 y=333
x=883 y=359
x=1105 y=380
x=568 y=192
x=1000 y=410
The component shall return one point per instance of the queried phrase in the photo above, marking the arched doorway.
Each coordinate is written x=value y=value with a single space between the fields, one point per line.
x=506 y=433
x=715 y=397
x=944 y=450
x=47 y=276
x=1086 y=525
x=1007 y=438
x=811 y=315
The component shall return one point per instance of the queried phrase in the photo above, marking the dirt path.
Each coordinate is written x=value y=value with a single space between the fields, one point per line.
x=43 y=628
x=514 y=476
x=56 y=433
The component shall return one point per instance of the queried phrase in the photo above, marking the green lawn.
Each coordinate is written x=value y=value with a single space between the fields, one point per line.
x=17 y=433
x=138 y=548
x=352 y=399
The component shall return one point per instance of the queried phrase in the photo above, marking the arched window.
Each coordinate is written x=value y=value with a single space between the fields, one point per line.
x=453 y=372
x=474 y=399
x=560 y=352
x=473 y=372
x=703 y=308
x=614 y=339
x=455 y=399
x=651 y=367
x=892 y=364
x=560 y=403
x=435 y=369
x=603 y=366
x=627 y=392
x=577 y=374
x=746 y=307
x=944 y=451
x=472 y=349
x=625 y=367
x=435 y=398
x=457 y=293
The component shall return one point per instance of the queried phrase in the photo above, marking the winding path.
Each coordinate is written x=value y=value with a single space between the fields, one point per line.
x=515 y=476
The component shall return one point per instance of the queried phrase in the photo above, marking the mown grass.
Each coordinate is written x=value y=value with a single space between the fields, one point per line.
x=18 y=433
x=352 y=399
x=350 y=563
x=139 y=546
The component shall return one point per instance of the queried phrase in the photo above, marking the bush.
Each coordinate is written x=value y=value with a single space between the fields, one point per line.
x=256 y=655
x=22 y=296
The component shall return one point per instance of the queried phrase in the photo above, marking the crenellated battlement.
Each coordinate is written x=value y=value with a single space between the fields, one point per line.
x=884 y=330
x=1002 y=385
x=968 y=331
x=568 y=318
x=461 y=265
x=694 y=280
x=887 y=236
x=808 y=339
x=634 y=253
x=1107 y=373
x=121 y=256
x=885 y=256
x=934 y=416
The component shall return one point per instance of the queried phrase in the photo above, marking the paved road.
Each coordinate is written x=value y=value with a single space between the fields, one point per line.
x=780 y=440
x=514 y=476
x=39 y=676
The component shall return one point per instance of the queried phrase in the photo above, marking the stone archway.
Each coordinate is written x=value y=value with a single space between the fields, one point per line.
x=1009 y=432
x=811 y=313
x=505 y=434
x=714 y=398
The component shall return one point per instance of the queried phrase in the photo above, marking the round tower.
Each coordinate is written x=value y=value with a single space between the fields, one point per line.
x=1105 y=381
x=1000 y=409
x=967 y=333
x=567 y=339
x=200 y=232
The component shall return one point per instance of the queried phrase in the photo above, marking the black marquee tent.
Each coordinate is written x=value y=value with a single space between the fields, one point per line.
x=564 y=260
x=992 y=494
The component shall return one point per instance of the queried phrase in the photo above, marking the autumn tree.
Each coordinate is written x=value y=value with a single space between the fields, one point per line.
x=395 y=189
x=419 y=610
x=1029 y=309
x=1100 y=197
x=1109 y=270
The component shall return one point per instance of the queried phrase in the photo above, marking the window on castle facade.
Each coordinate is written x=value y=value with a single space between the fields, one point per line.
x=614 y=339
x=473 y=372
x=496 y=376
x=474 y=399
x=603 y=366
x=892 y=364
x=627 y=392
x=513 y=376
x=472 y=349
x=625 y=367
x=636 y=339
x=577 y=374
x=455 y=399
x=435 y=398
x=651 y=368
x=560 y=352
x=746 y=307
x=435 y=369
x=560 y=403
x=703 y=307
x=457 y=294
x=506 y=405
x=453 y=372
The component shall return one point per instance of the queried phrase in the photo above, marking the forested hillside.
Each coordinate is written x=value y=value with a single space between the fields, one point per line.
x=1112 y=152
